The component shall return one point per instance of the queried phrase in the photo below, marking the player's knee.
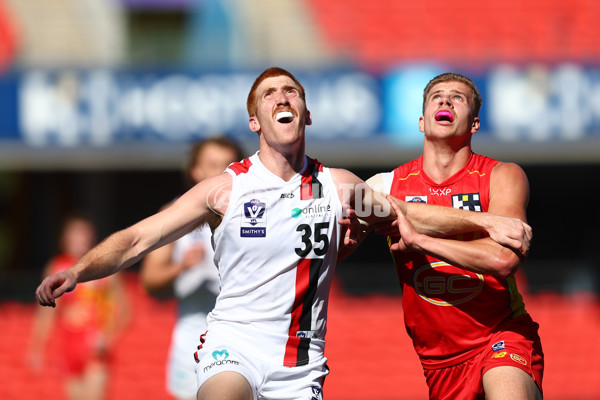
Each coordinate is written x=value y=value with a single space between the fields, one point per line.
x=226 y=385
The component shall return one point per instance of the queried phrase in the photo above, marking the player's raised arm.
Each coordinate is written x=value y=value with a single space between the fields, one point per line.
x=201 y=204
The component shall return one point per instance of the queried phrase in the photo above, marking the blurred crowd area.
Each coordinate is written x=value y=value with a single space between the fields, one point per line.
x=56 y=42
x=310 y=33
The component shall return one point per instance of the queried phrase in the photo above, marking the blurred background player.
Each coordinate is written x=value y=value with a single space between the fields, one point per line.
x=86 y=323
x=185 y=268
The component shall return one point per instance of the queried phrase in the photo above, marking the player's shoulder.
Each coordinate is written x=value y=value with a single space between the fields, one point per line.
x=344 y=176
x=240 y=167
x=507 y=168
x=508 y=172
x=213 y=188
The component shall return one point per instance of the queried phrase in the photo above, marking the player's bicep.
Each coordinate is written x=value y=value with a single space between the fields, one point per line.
x=188 y=212
x=509 y=191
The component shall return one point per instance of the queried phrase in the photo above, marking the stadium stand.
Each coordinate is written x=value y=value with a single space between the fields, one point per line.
x=8 y=38
x=69 y=32
x=370 y=353
x=464 y=32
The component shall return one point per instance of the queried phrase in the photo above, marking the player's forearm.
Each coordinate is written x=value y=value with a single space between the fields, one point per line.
x=481 y=256
x=439 y=221
x=120 y=250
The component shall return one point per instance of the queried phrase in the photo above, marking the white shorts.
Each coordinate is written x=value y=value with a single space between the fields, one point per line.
x=267 y=380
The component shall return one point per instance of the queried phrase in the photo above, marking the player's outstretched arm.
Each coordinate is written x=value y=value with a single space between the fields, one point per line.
x=126 y=247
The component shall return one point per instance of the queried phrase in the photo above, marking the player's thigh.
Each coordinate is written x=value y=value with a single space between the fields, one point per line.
x=226 y=385
x=509 y=383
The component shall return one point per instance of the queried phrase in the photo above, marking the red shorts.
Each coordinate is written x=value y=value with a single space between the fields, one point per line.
x=464 y=381
x=77 y=350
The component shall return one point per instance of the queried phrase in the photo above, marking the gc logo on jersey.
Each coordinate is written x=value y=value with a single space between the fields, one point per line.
x=254 y=220
x=442 y=284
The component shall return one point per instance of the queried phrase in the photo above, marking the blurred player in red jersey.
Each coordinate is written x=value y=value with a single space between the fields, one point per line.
x=461 y=305
x=86 y=323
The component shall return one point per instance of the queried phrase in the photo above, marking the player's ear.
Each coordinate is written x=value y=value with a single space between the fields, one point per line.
x=254 y=124
x=421 y=124
x=475 y=125
x=308 y=118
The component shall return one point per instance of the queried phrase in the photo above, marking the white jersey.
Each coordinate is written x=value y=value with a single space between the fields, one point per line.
x=276 y=250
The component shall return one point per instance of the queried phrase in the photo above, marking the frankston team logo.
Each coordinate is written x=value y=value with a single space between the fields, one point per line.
x=466 y=201
x=254 y=221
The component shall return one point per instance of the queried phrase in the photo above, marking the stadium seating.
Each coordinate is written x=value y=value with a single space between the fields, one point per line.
x=69 y=32
x=466 y=32
x=369 y=353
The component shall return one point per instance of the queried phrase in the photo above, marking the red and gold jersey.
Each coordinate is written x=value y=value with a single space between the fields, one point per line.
x=449 y=312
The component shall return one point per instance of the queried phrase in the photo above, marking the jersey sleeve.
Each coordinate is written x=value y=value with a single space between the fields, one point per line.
x=381 y=182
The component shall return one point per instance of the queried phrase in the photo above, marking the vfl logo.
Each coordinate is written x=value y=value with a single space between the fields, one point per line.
x=220 y=355
x=253 y=210
x=442 y=284
x=254 y=219
x=317 y=393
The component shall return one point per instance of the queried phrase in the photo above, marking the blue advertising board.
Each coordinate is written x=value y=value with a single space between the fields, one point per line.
x=66 y=108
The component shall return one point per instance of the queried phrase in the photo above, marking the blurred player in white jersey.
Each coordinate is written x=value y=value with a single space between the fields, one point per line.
x=185 y=268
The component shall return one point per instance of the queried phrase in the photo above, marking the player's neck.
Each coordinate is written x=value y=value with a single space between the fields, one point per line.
x=441 y=162
x=284 y=163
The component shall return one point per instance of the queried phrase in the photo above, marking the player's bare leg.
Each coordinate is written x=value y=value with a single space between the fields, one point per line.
x=74 y=388
x=509 y=383
x=226 y=386
x=95 y=381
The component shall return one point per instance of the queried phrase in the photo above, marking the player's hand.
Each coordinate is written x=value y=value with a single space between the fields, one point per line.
x=351 y=227
x=408 y=234
x=511 y=232
x=55 y=286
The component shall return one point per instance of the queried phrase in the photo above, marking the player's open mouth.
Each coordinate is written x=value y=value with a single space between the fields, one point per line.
x=285 y=117
x=444 y=115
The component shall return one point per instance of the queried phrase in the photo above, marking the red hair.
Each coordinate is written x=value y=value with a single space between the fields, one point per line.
x=269 y=73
